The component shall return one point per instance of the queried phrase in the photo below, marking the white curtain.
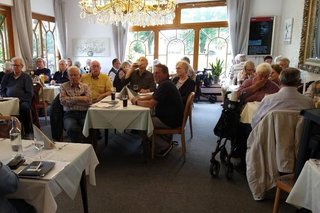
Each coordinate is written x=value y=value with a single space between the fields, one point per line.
x=120 y=32
x=61 y=37
x=239 y=22
x=22 y=16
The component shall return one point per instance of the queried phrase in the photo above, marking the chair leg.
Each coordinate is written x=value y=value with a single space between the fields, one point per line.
x=183 y=144
x=190 y=124
x=45 y=114
x=276 y=201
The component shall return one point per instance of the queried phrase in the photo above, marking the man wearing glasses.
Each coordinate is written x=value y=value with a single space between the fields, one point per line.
x=19 y=84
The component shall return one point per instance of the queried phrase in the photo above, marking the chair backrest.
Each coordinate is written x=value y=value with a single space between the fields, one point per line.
x=38 y=93
x=6 y=125
x=187 y=109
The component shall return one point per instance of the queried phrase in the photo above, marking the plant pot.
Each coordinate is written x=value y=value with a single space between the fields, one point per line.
x=215 y=79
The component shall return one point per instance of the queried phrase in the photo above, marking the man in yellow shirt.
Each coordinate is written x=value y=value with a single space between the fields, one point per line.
x=99 y=83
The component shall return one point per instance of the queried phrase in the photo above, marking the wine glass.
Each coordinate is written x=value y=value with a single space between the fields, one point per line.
x=136 y=88
x=38 y=144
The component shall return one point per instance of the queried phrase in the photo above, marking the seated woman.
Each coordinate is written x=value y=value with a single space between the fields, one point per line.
x=275 y=72
x=117 y=82
x=246 y=73
x=183 y=82
x=256 y=88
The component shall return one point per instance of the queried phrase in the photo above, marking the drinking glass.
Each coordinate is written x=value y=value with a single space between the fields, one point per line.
x=38 y=144
x=136 y=88
x=124 y=100
x=113 y=93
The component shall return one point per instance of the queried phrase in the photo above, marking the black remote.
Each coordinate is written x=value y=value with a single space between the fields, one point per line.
x=16 y=162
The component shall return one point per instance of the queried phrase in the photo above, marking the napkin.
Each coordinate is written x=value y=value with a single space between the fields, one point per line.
x=126 y=91
x=38 y=134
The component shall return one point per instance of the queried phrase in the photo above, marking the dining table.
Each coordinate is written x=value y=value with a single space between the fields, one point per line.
x=9 y=106
x=73 y=163
x=50 y=92
x=108 y=114
x=248 y=112
x=306 y=190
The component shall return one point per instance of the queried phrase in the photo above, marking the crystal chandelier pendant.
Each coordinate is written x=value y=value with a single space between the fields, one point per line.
x=135 y=12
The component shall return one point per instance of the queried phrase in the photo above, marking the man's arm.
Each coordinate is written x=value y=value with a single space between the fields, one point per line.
x=249 y=90
x=8 y=180
x=28 y=89
x=148 y=101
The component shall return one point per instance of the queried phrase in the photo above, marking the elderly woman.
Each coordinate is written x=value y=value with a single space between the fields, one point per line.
x=246 y=73
x=256 y=88
x=183 y=82
x=117 y=83
x=275 y=72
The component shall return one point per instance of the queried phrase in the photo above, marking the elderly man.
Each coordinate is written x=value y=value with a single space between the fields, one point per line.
x=114 y=70
x=283 y=62
x=167 y=102
x=287 y=98
x=41 y=70
x=99 y=83
x=19 y=84
x=138 y=75
x=256 y=88
x=61 y=75
x=7 y=68
x=237 y=67
x=75 y=98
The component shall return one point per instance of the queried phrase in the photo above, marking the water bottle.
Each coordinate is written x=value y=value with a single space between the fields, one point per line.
x=15 y=138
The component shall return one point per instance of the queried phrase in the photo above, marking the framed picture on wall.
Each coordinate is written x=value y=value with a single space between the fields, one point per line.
x=287 y=34
x=261 y=35
x=91 y=47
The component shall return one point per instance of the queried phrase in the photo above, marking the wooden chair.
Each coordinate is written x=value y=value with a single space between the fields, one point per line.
x=38 y=99
x=190 y=120
x=6 y=125
x=179 y=130
x=284 y=183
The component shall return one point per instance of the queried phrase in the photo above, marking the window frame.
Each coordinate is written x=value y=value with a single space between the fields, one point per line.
x=176 y=25
x=6 y=11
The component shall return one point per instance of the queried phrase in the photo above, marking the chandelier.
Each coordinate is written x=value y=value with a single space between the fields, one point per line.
x=135 y=12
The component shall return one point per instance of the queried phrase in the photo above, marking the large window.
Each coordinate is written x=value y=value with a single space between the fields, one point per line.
x=44 y=44
x=199 y=31
x=6 y=39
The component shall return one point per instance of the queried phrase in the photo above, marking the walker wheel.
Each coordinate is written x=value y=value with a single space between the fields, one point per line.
x=223 y=155
x=214 y=168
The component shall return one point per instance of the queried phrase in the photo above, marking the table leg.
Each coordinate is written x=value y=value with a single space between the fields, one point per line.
x=84 y=195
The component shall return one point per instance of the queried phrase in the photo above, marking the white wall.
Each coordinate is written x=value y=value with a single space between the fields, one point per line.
x=80 y=28
x=38 y=6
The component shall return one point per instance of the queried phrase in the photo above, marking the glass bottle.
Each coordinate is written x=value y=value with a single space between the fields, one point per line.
x=15 y=138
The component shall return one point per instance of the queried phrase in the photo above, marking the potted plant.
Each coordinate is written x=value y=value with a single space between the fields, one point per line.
x=216 y=70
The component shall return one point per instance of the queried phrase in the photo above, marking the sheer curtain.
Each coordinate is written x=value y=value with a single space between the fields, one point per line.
x=239 y=21
x=22 y=16
x=59 y=15
x=120 y=32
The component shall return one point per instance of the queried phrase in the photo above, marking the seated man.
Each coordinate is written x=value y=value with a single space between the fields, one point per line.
x=76 y=99
x=287 y=98
x=256 y=88
x=283 y=62
x=41 y=70
x=99 y=83
x=61 y=75
x=168 y=105
x=138 y=75
x=19 y=84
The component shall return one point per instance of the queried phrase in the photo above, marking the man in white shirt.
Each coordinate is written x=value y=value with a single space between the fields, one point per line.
x=288 y=98
x=115 y=67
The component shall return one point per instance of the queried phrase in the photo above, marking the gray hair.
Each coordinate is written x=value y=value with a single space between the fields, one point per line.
x=290 y=77
x=77 y=64
x=125 y=63
x=286 y=60
x=17 y=59
x=240 y=58
x=73 y=68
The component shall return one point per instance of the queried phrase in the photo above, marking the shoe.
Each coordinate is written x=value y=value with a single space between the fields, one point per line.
x=164 y=152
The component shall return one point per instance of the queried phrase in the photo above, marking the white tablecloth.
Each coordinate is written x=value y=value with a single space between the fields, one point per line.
x=50 y=92
x=306 y=191
x=9 y=106
x=118 y=117
x=71 y=160
x=249 y=111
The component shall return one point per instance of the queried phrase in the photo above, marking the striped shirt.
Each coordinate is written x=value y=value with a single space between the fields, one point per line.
x=75 y=98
